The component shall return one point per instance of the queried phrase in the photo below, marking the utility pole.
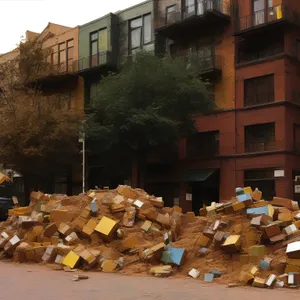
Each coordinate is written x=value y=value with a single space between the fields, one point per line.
x=82 y=140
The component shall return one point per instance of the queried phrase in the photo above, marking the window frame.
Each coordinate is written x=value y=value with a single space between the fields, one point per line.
x=67 y=53
x=96 y=41
x=256 y=139
x=142 y=37
x=253 y=89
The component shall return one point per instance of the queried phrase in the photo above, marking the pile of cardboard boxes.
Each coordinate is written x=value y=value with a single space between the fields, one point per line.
x=242 y=241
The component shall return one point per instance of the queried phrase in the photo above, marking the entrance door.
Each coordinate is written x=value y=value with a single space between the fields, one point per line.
x=205 y=192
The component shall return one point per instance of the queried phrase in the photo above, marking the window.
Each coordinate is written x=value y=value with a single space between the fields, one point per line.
x=147 y=29
x=140 y=33
x=99 y=46
x=171 y=14
x=260 y=137
x=62 y=56
x=70 y=54
x=259 y=90
x=263 y=179
x=190 y=8
x=204 y=144
x=55 y=55
x=258 y=12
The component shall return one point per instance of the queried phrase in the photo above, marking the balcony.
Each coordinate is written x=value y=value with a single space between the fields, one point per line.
x=102 y=60
x=181 y=22
x=209 y=67
x=262 y=20
x=48 y=73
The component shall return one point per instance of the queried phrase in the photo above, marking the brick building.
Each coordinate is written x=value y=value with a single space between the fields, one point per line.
x=250 y=46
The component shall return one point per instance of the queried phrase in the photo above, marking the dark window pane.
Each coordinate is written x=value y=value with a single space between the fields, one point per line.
x=62 y=46
x=259 y=90
x=260 y=137
x=70 y=43
x=62 y=56
x=94 y=36
x=70 y=53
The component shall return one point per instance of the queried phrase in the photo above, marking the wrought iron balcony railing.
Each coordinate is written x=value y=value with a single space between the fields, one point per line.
x=266 y=16
x=97 y=60
x=200 y=8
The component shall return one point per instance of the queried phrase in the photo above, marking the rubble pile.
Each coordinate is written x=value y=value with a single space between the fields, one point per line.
x=244 y=241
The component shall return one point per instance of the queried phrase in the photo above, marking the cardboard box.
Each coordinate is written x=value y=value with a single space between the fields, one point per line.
x=173 y=256
x=88 y=257
x=190 y=216
x=50 y=254
x=86 y=213
x=284 y=202
x=259 y=282
x=106 y=227
x=71 y=259
x=271 y=280
x=257 y=195
x=127 y=191
x=232 y=244
x=163 y=219
x=161 y=270
x=129 y=217
x=72 y=238
x=277 y=238
x=293 y=250
x=246 y=277
x=219 y=239
x=237 y=206
x=155 y=251
x=109 y=266
x=290 y=230
x=146 y=226
x=204 y=241
x=89 y=228
x=64 y=229
x=271 y=230
x=194 y=273
x=50 y=230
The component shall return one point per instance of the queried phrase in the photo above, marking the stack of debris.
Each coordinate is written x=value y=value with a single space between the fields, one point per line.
x=246 y=240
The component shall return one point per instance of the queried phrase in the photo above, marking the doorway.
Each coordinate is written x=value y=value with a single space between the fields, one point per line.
x=205 y=192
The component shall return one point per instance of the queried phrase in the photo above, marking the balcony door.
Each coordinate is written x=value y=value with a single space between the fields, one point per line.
x=263 y=11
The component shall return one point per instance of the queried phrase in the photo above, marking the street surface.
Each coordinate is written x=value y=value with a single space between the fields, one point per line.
x=41 y=283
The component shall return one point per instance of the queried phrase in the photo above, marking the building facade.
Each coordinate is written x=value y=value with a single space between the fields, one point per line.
x=248 y=51
x=253 y=138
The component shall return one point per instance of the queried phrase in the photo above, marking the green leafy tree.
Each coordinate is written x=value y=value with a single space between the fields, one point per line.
x=147 y=107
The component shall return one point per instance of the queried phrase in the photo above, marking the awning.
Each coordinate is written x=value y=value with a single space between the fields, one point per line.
x=198 y=175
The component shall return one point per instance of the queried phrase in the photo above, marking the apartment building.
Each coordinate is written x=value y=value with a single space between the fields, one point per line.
x=60 y=78
x=249 y=50
x=105 y=45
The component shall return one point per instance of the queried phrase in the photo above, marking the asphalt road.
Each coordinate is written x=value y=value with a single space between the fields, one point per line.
x=41 y=283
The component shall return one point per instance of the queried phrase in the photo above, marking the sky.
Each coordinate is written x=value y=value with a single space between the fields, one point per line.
x=17 y=16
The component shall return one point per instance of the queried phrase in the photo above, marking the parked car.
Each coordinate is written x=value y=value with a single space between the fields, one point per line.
x=5 y=205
